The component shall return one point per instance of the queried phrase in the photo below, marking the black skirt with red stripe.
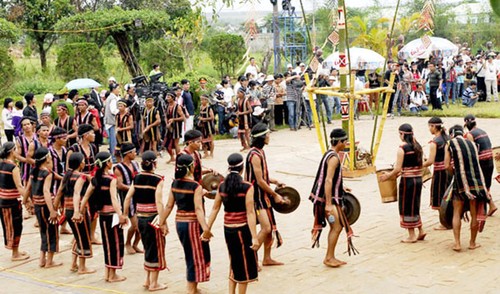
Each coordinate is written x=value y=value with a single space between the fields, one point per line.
x=243 y=259
x=154 y=244
x=410 y=190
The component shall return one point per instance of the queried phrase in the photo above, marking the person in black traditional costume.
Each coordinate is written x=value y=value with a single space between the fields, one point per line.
x=469 y=191
x=206 y=125
x=11 y=212
x=174 y=116
x=79 y=223
x=190 y=221
x=39 y=185
x=327 y=196
x=239 y=225
x=244 y=113
x=150 y=122
x=124 y=126
x=440 y=176
x=257 y=173
x=125 y=172
x=409 y=164
x=485 y=152
x=103 y=189
x=146 y=191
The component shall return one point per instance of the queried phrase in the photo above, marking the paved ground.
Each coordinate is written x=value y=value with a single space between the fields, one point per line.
x=383 y=265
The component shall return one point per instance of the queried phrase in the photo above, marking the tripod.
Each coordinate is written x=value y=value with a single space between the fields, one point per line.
x=303 y=112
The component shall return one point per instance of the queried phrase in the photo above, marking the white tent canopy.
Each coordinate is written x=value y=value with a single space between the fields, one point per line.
x=438 y=47
x=360 y=58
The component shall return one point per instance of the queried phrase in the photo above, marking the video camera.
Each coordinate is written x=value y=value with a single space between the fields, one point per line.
x=154 y=88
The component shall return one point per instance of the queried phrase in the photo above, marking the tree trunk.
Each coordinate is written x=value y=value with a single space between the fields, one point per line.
x=43 y=53
x=126 y=53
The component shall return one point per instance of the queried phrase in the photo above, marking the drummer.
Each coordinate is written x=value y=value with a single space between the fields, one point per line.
x=192 y=139
x=467 y=186
x=483 y=144
x=258 y=174
x=440 y=177
x=326 y=195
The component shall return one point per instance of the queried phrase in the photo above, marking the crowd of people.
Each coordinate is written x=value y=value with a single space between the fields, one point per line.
x=53 y=162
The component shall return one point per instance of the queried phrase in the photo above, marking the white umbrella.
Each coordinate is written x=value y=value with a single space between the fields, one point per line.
x=82 y=84
x=360 y=58
x=435 y=46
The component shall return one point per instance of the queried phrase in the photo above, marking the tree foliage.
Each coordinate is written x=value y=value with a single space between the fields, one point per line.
x=7 y=71
x=163 y=53
x=39 y=18
x=120 y=24
x=226 y=51
x=187 y=34
x=81 y=60
x=8 y=30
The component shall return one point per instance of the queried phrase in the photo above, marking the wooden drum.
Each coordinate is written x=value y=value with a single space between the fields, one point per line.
x=389 y=188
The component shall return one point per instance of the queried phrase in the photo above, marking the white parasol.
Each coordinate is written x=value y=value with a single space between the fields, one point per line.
x=82 y=84
x=360 y=58
x=427 y=46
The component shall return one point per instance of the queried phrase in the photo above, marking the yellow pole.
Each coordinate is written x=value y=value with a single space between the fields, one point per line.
x=315 y=116
x=384 y=117
x=352 y=112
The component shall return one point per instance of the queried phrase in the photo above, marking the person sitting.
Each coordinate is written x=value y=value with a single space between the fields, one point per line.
x=470 y=95
x=418 y=100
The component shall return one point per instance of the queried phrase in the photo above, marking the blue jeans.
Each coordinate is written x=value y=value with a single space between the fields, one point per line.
x=450 y=91
x=221 y=113
x=418 y=109
x=112 y=140
x=336 y=105
x=292 y=113
x=459 y=89
x=326 y=103
x=472 y=102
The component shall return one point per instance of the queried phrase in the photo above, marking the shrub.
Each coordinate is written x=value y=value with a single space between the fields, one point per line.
x=7 y=71
x=81 y=60
x=163 y=53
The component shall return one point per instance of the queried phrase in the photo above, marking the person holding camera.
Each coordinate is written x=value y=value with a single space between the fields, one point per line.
x=470 y=95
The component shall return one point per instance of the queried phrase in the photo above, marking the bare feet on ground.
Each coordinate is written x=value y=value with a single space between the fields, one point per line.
x=441 y=228
x=421 y=237
x=130 y=249
x=334 y=262
x=20 y=256
x=271 y=262
x=457 y=248
x=409 y=240
x=474 y=246
x=86 y=271
x=116 y=279
x=157 y=287
x=53 y=264
x=138 y=250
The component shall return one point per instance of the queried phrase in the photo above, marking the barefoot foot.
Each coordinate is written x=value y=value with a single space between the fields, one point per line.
x=116 y=279
x=20 y=256
x=53 y=264
x=409 y=240
x=441 y=228
x=492 y=211
x=474 y=246
x=421 y=237
x=457 y=248
x=157 y=287
x=130 y=249
x=271 y=262
x=86 y=271
x=138 y=250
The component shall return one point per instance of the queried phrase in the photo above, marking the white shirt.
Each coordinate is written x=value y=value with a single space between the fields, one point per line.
x=228 y=96
x=7 y=119
x=252 y=69
x=417 y=98
x=491 y=71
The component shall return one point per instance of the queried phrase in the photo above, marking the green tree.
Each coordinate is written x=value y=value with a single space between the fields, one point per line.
x=8 y=30
x=227 y=59
x=7 y=71
x=164 y=53
x=38 y=17
x=81 y=60
x=120 y=25
x=187 y=33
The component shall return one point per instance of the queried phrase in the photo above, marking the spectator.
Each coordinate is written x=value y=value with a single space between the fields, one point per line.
x=323 y=99
x=460 y=80
x=110 y=118
x=490 y=78
x=187 y=97
x=292 y=101
x=269 y=94
x=470 y=95
x=451 y=77
x=17 y=116
x=47 y=102
x=435 y=83
x=7 y=113
x=30 y=109
x=418 y=100
x=332 y=80
x=280 y=110
x=252 y=68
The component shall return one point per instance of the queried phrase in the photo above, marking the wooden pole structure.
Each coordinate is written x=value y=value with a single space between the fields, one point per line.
x=322 y=144
x=382 y=123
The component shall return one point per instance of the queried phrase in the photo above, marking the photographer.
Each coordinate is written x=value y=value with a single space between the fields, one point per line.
x=471 y=95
